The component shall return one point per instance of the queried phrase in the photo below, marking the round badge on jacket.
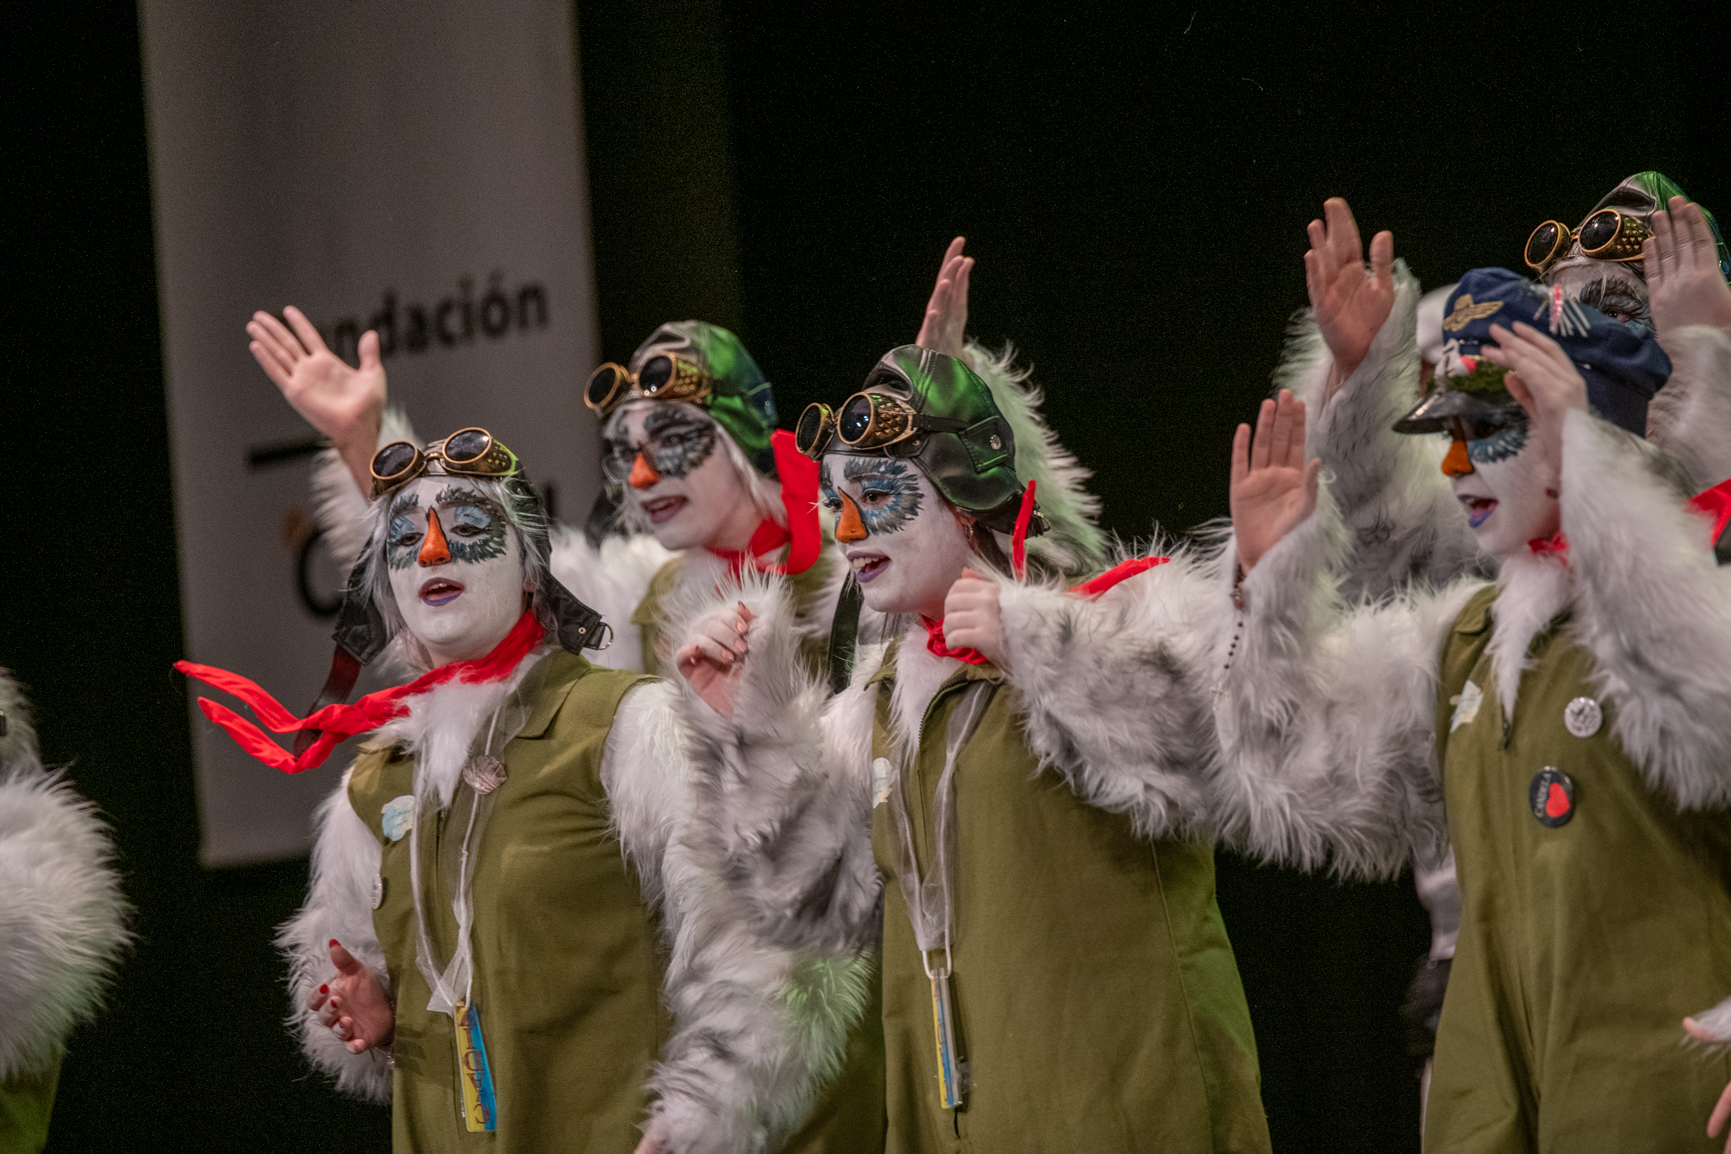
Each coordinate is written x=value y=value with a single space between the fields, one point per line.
x=1552 y=797
x=1582 y=717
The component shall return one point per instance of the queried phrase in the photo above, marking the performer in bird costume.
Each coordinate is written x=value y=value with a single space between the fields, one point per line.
x=1584 y=783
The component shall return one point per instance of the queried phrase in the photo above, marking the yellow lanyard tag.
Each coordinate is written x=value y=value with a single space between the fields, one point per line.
x=952 y=1075
x=479 y=1111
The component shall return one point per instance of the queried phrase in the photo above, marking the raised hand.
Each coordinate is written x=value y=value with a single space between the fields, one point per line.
x=1684 y=284
x=1350 y=303
x=973 y=618
x=1273 y=488
x=354 y=1004
x=946 y=321
x=1542 y=378
x=344 y=404
x=712 y=659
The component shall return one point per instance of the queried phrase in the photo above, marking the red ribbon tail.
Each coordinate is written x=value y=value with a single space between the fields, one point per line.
x=248 y=736
x=1019 y=539
x=270 y=711
x=1118 y=573
x=798 y=474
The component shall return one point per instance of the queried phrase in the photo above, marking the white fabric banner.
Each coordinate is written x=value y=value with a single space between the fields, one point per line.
x=415 y=167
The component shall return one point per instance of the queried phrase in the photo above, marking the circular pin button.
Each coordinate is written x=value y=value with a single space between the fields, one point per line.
x=378 y=890
x=1552 y=797
x=1583 y=717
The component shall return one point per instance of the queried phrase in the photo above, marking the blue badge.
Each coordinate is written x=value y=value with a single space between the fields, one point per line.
x=397 y=816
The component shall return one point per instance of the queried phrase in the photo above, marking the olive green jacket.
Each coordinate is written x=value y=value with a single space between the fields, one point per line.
x=26 y=1104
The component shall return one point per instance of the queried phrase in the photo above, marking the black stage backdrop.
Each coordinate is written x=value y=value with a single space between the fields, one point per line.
x=1135 y=188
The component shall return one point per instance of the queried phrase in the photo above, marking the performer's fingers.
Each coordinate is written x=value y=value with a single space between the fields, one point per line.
x=1263 y=443
x=1700 y=237
x=1343 y=230
x=745 y=612
x=1295 y=434
x=1382 y=255
x=346 y=963
x=1721 y=1113
x=953 y=251
x=273 y=368
x=1240 y=454
x=304 y=329
x=1659 y=251
x=1314 y=285
x=961 y=290
x=279 y=333
x=369 y=350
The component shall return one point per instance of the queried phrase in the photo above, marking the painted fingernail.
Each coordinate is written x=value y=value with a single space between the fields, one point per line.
x=324 y=989
x=333 y=941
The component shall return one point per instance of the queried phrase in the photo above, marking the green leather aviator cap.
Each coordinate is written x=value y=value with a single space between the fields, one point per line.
x=740 y=399
x=972 y=459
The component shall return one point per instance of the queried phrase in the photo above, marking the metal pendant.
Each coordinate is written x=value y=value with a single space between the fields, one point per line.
x=1583 y=717
x=484 y=773
x=378 y=891
x=1552 y=797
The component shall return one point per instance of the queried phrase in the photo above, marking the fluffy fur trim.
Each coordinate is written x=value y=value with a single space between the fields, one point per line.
x=1691 y=416
x=758 y=1029
x=1654 y=610
x=1393 y=498
x=784 y=788
x=611 y=580
x=447 y=722
x=1327 y=717
x=341 y=508
x=648 y=780
x=1073 y=541
x=63 y=920
x=1115 y=691
x=1717 y=1022
x=1531 y=591
x=339 y=905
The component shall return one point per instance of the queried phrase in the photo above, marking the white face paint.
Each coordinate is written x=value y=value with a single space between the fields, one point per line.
x=1505 y=496
x=459 y=596
x=685 y=484
x=914 y=548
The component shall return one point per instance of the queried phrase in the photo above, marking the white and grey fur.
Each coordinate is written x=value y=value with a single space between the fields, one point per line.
x=1116 y=693
x=63 y=921
x=1691 y=416
x=1405 y=522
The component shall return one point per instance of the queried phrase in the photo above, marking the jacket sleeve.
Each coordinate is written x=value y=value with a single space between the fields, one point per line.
x=783 y=788
x=62 y=918
x=1115 y=690
x=1394 y=501
x=1327 y=716
x=1653 y=608
x=345 y=864
x=757 y=1028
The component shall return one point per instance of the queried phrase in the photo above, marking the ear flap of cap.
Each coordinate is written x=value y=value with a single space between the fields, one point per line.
x=360 y=626
x=576 y=626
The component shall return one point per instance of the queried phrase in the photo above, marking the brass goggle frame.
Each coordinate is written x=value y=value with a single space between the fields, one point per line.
x=889 y=421
x=663 y=377
x=490 y=459
x=1624 y=244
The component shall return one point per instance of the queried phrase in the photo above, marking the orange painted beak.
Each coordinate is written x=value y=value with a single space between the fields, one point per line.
x=434 y=550
x=849 y=527
x=1457 y=463
x=643 y=474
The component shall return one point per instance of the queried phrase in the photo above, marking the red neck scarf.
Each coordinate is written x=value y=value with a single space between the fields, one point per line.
x=804 y=534
x=339 y=722
x=1714 y=502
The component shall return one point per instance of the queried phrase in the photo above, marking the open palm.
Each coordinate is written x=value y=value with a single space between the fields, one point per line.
x=345 y=404
x=1273 y=488
x=1684 y=284
x=945 y=326
x=1350 y=302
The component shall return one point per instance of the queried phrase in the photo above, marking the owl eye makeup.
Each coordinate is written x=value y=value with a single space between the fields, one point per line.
x=1499 y=446
x=889 y=493
x=473 y=527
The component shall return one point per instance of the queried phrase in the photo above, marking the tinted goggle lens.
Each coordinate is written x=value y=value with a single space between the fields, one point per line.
x=655 y=374
x=1543 y=245
x=468 y=446
x=604 y=383
x=855 y=420
x=394 y=460
x=1600 y=230
x=813 y=431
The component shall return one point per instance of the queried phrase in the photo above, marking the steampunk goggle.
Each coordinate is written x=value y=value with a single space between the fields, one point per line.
x=867 y=421
x=1606 y=235
x=468 y=453
x=663 y=377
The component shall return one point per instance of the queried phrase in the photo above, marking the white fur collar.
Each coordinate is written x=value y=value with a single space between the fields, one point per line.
x=1532 y=590
x=444 y=722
